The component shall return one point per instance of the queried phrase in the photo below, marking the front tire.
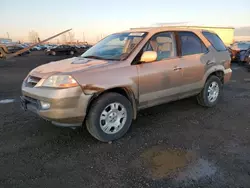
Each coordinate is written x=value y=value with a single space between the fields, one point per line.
x=71 y=52
x=53 y=53
x=210 y=94
x=110 y=117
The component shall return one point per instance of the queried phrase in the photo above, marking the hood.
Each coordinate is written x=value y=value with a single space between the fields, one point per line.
x=67 y=66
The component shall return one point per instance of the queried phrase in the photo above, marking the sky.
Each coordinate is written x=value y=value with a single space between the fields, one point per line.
x=95 y=18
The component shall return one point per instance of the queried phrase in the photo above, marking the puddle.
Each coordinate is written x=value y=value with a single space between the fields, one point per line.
x=166 y=163
x=200 y=169
x=183 y=166
x=6 y=101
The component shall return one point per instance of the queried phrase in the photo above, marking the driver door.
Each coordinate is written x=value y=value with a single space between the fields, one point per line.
x=160 y=81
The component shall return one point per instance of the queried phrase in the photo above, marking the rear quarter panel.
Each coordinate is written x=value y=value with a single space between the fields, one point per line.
x=221 y=59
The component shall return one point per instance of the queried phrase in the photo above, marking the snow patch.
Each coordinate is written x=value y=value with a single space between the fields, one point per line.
x=6 y=101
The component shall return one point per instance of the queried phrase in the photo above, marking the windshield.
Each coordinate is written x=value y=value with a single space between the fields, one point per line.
x=115 y=46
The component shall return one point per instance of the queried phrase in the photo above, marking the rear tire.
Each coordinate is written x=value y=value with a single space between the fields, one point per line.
x=209 y=97
x=53 y=53
x=71 y=52
x=101 y=121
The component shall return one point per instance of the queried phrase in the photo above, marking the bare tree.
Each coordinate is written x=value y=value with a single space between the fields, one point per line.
x=33 y=36
x=64 y=38
x=71 y=37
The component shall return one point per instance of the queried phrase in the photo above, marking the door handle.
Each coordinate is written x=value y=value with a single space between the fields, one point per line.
x=177 y=68
x=210 y=62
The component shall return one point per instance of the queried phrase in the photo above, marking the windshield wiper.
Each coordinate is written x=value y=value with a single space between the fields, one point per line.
x=93 y=57
x=101 y=58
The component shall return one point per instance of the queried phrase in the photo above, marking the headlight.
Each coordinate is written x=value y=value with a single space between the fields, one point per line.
x=60 y=81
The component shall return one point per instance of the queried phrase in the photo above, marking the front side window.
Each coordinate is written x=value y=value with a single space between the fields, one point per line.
x=163 y=44
x=191 y=44
x=115 y=47
x=215 y=41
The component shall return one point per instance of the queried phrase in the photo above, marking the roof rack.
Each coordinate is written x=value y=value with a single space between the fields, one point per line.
x=183 y=26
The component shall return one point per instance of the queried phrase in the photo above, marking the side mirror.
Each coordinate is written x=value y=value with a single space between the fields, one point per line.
x=148 y=56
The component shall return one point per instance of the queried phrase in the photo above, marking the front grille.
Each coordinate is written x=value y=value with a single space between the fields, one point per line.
x=32 y=101
x=32 y=81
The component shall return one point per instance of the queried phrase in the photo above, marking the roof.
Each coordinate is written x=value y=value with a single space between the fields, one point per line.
x=159 y=29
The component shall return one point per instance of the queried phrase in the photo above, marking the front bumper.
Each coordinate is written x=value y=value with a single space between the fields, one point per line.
x=67 y=106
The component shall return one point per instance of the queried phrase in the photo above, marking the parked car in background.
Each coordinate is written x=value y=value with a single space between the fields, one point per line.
x=36 y=48
x=6 y=49
x=17 y=47
x=246 y=58
x=49 y=47
x=62 y=49
x=126 y=72
x=81 y=47
x=12 y=48
x=24 y=45
x=43 y=47
x=238 y=49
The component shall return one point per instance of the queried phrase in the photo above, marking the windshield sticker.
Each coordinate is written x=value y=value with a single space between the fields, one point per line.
x=136 y=34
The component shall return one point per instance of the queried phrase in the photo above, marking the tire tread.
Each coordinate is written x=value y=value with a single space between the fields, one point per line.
x=201 y=98
x=94 y=113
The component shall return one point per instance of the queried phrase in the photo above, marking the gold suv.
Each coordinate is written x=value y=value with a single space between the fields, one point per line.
x=126 y=72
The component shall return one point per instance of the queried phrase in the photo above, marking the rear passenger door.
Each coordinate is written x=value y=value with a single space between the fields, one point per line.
x=193 y=56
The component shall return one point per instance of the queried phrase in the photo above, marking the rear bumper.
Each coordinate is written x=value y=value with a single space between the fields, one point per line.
x=227 y=75
x=67 y=106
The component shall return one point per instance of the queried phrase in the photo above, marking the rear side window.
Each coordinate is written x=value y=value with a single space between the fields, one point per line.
x=191 y=44
x=215 y=41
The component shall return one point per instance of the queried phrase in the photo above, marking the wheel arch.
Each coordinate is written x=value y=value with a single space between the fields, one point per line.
x=215 y=71
x=219 y=74
x=124 y=91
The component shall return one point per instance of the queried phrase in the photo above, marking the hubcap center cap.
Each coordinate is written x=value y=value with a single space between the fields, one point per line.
x=112 y=117
x=213 y=91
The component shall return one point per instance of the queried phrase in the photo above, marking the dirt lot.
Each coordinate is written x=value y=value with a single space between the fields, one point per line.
x=180 y=144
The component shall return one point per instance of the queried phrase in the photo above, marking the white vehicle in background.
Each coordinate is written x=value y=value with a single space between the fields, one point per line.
x=36 y=48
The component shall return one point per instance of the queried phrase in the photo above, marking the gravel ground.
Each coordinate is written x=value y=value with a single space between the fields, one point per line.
x=180 y=144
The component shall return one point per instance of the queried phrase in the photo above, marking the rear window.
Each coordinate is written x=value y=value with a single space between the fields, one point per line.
x=215 y=41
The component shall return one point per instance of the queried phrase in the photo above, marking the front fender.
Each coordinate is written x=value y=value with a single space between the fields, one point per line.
x=96 y=91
